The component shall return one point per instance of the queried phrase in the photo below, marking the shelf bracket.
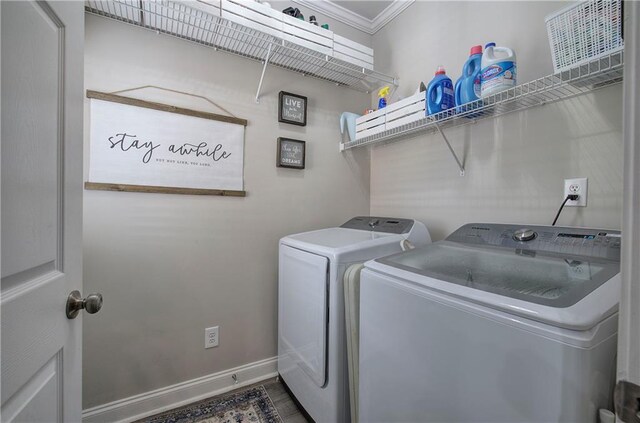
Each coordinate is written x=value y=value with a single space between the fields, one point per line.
x=453 y=153
x=264 y=69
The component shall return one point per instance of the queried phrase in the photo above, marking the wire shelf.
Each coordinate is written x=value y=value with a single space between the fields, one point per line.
x=205 y=25
x=585 y=78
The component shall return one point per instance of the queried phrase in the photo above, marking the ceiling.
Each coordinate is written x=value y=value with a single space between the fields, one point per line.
x=365 y=8
x=366 y=15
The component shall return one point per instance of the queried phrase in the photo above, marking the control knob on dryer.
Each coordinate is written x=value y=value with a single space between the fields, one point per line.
x=524 y=235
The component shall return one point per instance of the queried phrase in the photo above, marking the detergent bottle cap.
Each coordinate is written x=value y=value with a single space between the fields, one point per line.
x=490 y=45
x=440 y=70
x=475 y=50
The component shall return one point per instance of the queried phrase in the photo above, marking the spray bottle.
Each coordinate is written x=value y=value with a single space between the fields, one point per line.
x=382 y=94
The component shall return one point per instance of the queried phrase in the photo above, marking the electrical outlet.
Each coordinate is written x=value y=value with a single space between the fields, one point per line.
x=576 y=186
x=211 y=337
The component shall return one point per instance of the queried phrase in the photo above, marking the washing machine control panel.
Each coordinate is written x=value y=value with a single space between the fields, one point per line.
x=388 y=225
x=571 y=241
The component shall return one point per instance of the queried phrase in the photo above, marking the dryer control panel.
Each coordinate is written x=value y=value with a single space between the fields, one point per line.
x=388 y=225
x=530 y=238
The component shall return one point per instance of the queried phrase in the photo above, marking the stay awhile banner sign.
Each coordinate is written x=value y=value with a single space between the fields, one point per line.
x=139 y=146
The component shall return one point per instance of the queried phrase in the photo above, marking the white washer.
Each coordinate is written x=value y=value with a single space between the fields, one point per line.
x=312 y=357
x=497 y=323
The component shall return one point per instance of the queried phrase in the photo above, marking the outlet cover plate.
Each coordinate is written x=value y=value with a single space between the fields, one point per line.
x=576 y=186
x=211 y=337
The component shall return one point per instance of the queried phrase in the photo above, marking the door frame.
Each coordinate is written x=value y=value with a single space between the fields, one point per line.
x=629 y=326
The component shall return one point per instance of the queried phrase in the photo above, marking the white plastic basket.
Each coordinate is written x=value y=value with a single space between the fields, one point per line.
x=584 y=31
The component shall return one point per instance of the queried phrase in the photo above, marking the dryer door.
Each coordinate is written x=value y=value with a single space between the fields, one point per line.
x=303 y=311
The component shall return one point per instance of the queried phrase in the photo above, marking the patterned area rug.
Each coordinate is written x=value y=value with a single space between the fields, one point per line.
x=252 y=405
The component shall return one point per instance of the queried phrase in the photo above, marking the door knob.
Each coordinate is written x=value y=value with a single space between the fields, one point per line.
x=92 y=304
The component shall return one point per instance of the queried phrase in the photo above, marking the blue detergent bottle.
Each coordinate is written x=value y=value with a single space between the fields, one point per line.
x=456 y=93
x=440 y=95
x=467 y=87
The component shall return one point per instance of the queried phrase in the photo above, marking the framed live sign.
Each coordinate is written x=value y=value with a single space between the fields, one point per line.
x=292 y=109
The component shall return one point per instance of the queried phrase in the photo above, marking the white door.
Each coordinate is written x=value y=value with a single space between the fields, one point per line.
x=42 y=95
x=302 y=313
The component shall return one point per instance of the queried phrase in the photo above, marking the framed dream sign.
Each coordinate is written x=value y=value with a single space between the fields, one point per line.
x=292 y=108
x=291 y=153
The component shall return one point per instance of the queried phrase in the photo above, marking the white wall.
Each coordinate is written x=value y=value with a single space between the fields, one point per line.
x=515 y=164
x=171 y=265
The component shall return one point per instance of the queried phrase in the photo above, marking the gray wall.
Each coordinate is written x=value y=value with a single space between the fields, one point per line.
x=171 y=265
x=515 y=164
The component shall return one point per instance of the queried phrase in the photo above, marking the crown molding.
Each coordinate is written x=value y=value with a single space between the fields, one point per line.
x=388 y=14
x=346 y=16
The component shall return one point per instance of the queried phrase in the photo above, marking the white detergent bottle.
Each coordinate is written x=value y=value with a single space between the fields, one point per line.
x=498 y=70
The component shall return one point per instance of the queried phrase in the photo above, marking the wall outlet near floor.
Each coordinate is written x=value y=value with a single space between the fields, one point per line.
x=576 y=186
x=211 y=337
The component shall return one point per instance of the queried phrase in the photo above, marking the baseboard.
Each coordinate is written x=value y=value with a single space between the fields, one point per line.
x=159 y=400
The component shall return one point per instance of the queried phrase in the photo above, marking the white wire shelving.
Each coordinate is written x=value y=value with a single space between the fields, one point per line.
x=582 y=79
x=209 y=27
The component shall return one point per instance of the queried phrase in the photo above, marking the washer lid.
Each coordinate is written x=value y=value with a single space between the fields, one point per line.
x=540 y=285
x=547 y=279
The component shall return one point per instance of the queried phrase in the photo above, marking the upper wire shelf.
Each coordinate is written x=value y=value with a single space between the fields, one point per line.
x=581 y=79
x=204 y=24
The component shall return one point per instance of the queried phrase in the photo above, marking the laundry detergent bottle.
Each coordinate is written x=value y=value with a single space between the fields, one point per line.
x=440 y=95
x=467 y=87
x=498 y=70
x=456 y=93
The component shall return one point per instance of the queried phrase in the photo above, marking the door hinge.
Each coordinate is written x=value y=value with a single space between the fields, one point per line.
x=626 y=398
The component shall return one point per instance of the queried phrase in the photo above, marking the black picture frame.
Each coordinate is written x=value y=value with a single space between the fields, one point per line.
x=285 y=112
x=288 y=153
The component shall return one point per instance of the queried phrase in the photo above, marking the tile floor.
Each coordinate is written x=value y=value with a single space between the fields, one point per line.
x=287 y=409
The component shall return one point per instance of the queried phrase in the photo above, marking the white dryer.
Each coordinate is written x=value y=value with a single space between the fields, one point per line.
x=497 y=323
x=312 y=357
